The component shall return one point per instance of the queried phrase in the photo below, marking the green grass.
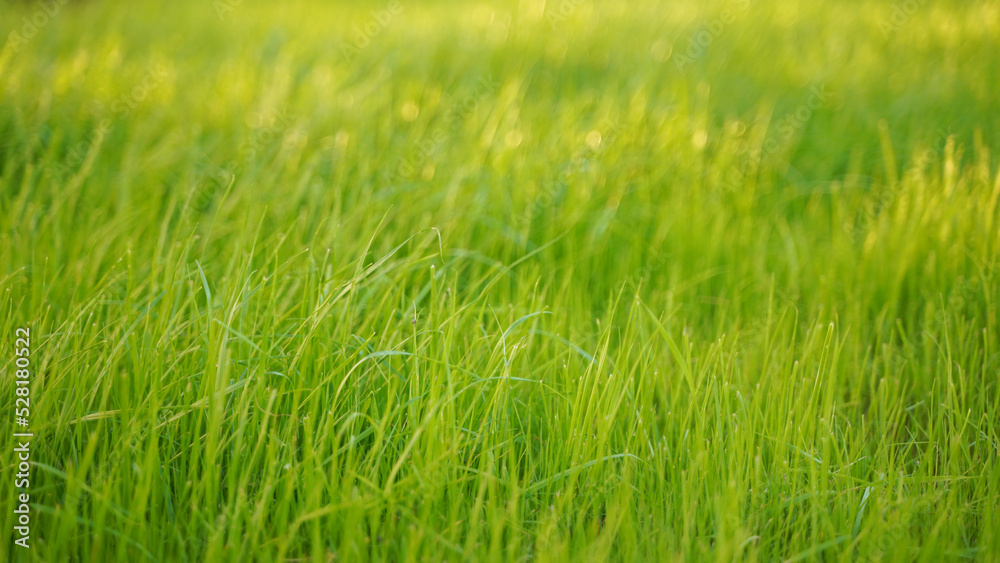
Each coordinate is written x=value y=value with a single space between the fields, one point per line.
x=502 y=284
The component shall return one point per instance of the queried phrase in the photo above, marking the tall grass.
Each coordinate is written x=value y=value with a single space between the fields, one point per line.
x=504 y=285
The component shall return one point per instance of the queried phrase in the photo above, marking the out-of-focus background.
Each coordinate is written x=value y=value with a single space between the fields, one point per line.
x=504 y=280
x=423 y=105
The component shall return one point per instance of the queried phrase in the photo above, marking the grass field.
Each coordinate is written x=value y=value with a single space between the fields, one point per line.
x=557 y=281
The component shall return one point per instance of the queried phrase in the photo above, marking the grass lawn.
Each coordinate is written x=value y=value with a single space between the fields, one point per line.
x=512 y=280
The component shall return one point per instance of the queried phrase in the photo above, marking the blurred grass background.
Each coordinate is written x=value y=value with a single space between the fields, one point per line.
x=194 y=195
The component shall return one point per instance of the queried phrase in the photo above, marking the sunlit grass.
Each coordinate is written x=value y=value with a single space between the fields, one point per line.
x=504 y=285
